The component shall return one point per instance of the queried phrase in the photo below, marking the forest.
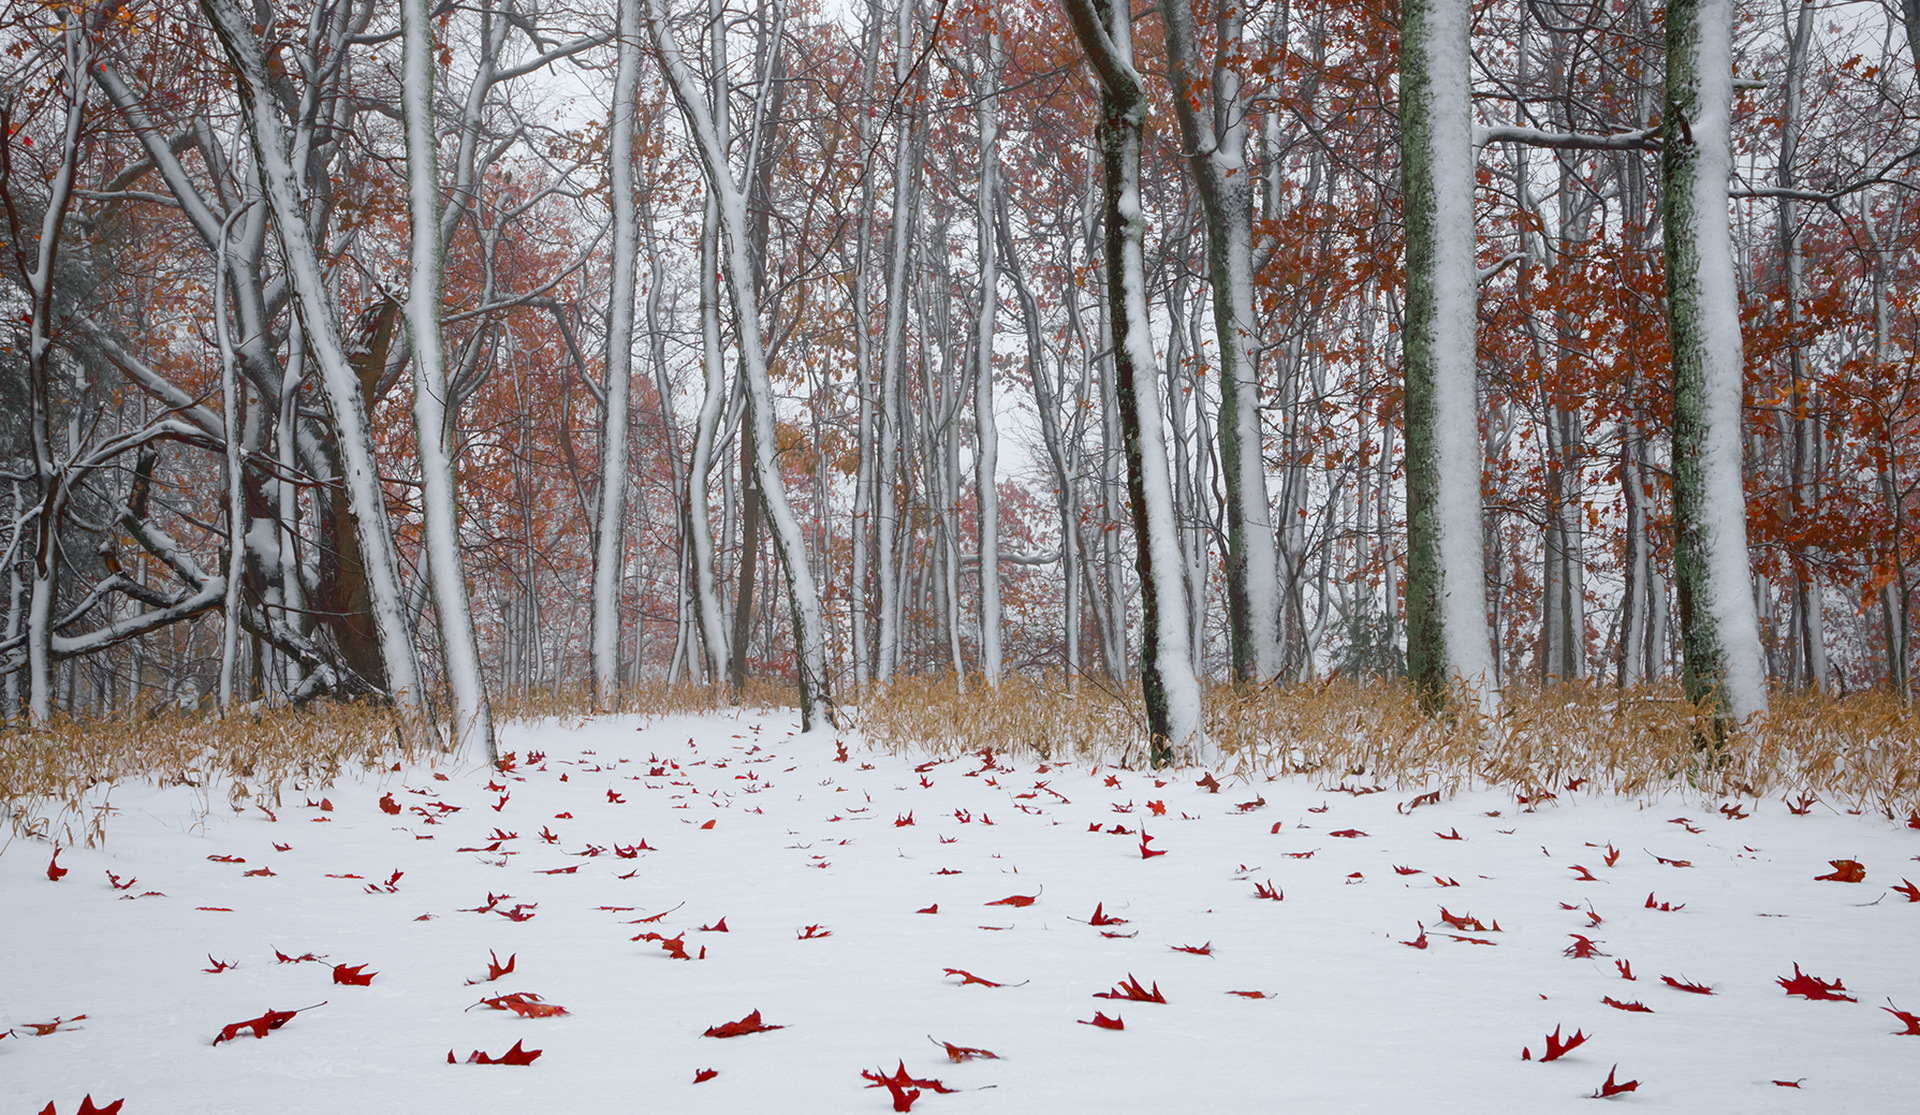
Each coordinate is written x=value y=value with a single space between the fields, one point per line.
x=450 y=352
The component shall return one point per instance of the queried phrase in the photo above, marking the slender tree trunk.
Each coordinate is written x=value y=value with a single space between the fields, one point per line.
x=1723 y=660
x=986 y=433
x=609 y=550
x=1172 y=691
x=713 y=404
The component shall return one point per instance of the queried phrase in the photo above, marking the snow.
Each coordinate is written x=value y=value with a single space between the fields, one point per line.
x=1354 y=1020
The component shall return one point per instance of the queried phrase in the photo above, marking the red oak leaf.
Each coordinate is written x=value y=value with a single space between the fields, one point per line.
x=1583 y=947
x=1844 y=871
x=1556 y=1048
x=1912 y=1020
x=1101 y=917
x=1911 y=892
x=1250 y=994
x=903 y=820
x=701 y=1076
x=515 y=1056
x=1268 y=890
x=218 y=965
x=1398 y=870
x=272 y=1020
x=1612 y=1089
x=1419 y=942
x=54 y=870
x=751 y=1024
x=813 y=932
x=1209 y=784
x=114 y=880
x=1103 y=1022
x=1684 y=985
x=1813 y=987
x=967 y=977
x=1131 y=990
x=1613 y=855
x=42 y=1029
x=87 y=1107
x=1625 y=968
x=259 y=873
x=1146 y=852
x=717 y=927
x=302 y=959
x=1664 y=907
x=1453 y=835
x=1636 y=1007
x=1349 y=834
x=1467 y=922
x=523 y=1003
x=495 y=969
x=959 y=1053
x=933 y=909
x=1585 y=875
x=1197 y=950
x=388 y=805
x=903 y=1087
x=1015 y=900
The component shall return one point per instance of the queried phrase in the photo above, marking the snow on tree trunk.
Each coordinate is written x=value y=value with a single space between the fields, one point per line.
x=440 y=497
x=893 y=356
x=809 y=628
x=987 y=436
x=1719 y=627
x=1213 y=126
x=713 y=627
x=279 y=181
x=1447 y=636
x=1171 y=689
x=609 y=551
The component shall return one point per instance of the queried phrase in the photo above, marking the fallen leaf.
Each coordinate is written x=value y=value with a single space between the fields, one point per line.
x=1844 y=871
x=272 y=1020
x=1583 y=947
x=1348 y=834
x=1684 y=985
x=1268 y=890
x=1015 y=900
x=54 y=870
x=1101 y=917
x=1556 y=1048
x=967 y=977
x=1911 y=892
x=387 y=804
x=1250 y=994
x=1197 y=950
x=751 y=1024
x=1612 y=1089
x=523 y=1003
x=959 y=1053
x=495 y=969
x=1813 y=987
x=1130 y=990
x=701 y=1076
x=1636 y=1007
x=515 y=1056
x=218 y=965
x=1912 y=1020
x=1103 y=1022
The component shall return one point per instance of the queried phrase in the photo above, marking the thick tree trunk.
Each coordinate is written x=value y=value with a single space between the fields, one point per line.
x=1723 y=663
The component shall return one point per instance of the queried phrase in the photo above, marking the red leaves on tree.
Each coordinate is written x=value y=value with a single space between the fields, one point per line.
x=751 y=1024
x=1103 y=1022
x=1844 y=871
x=1268 y=890
x=1612 y=1089
x=523 y=1003
x=353 y=976
x=518 y=1055
x=1636 y=1007
x=1813 y=987
x=1912 y=1020
x=1130 y=990
x=1021 y=900
x=701 y=1076
x=1556 y=1048
x=54 y=870
x=272 y=1020
x=1683 y=985
x=388 y=805
x=495 y=969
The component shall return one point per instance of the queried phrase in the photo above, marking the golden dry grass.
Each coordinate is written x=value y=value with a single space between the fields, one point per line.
x=1859 y=752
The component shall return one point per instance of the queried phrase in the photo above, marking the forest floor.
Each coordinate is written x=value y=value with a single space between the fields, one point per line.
x=992 y=934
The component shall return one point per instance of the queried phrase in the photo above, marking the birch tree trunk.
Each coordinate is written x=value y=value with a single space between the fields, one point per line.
x=1719 y=628
x=609 y=551
x=1447 y=637
x=1172 y=692
x=986 y=434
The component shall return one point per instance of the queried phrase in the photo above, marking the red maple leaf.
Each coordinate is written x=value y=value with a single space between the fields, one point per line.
x=1636 y=1007
x=272 y=1020
x=1556 y=1048
x=1419 y=942
x=301 y=959
x=42 y=1029
x=1813 y=987
x=1131 y=990
x=523 y=1003
x=495 y=969
x=1844 y=871
x=515 y=1056
x=751 y=1024
x=54 y=870
x=1015 y=900
x=903 y=820
x=701 y=1076
x=1103 y=1022
x=1612 y=1089
x=1684 y=985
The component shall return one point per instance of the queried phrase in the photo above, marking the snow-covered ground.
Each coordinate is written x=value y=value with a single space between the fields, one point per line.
x=857 y=896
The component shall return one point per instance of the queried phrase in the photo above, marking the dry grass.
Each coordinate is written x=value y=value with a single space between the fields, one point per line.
x=1859 y=752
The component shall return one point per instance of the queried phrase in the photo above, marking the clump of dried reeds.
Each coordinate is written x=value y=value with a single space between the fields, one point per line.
x=1860 y=751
